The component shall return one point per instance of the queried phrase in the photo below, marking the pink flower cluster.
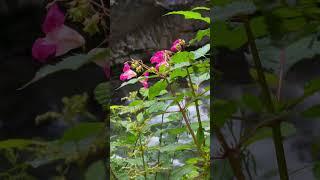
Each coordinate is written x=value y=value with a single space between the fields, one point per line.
x=159 y=58
x=59 y=38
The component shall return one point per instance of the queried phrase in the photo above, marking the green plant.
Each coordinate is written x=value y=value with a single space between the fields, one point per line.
x=156 y=136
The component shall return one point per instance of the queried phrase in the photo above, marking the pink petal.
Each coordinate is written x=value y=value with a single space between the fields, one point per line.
x=162 y=63
x=127 y=75
x=126 y=67
x=42 y=49
x=54 y=19
x=66 y=39
x=145 y=84
x=158 y=57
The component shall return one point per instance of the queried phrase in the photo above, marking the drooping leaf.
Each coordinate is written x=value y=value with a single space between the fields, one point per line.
x=287 y=129
x=82 y=131
x=191 y=15
x=69 y=63
x=131 y=81
x=18 y=143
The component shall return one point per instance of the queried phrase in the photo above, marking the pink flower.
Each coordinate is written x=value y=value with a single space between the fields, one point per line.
x=59 y=38
x=144 y=82
x=158 y=57
x=54 y=19
x=162 y=63
x=177 y=45
x=42 y=49
x=127 y=73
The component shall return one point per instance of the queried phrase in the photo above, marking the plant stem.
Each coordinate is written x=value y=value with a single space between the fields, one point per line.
x=233 y=156
x=160 y=142
x=184 y=115
x=276 y=130
x=195 y=102
x=142 y=156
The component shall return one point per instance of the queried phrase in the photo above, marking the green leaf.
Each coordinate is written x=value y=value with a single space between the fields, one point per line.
x=131 y=81
x=201 y=8
x=253 y=102
x=201 y=52
x=82 y=131
x=156 y=89
x=287 y=129
x=181 y=172
x=233 y=8
x=96 y=171
x=157 y=107
x=223 y=110
x=312 y=86
x=178 y=73
x=200 y=135
x=199 y=78
x=103 y=93
x=312 y=112
x=200 y=35
x=225 y=36
x=191 y=15
x=18 y=143
x=176 y=147
x=69 y=63
x=182 y=57
x=259 y=26
x=271 y=78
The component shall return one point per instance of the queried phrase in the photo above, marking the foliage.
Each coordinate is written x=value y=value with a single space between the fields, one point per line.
x=278 y=36
x=151 y=141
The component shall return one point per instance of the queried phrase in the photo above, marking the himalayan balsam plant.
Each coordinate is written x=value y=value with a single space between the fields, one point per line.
x=163 y=132
x=277 y=37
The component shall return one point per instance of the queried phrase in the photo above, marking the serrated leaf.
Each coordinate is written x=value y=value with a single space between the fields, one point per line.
x=102 y=93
